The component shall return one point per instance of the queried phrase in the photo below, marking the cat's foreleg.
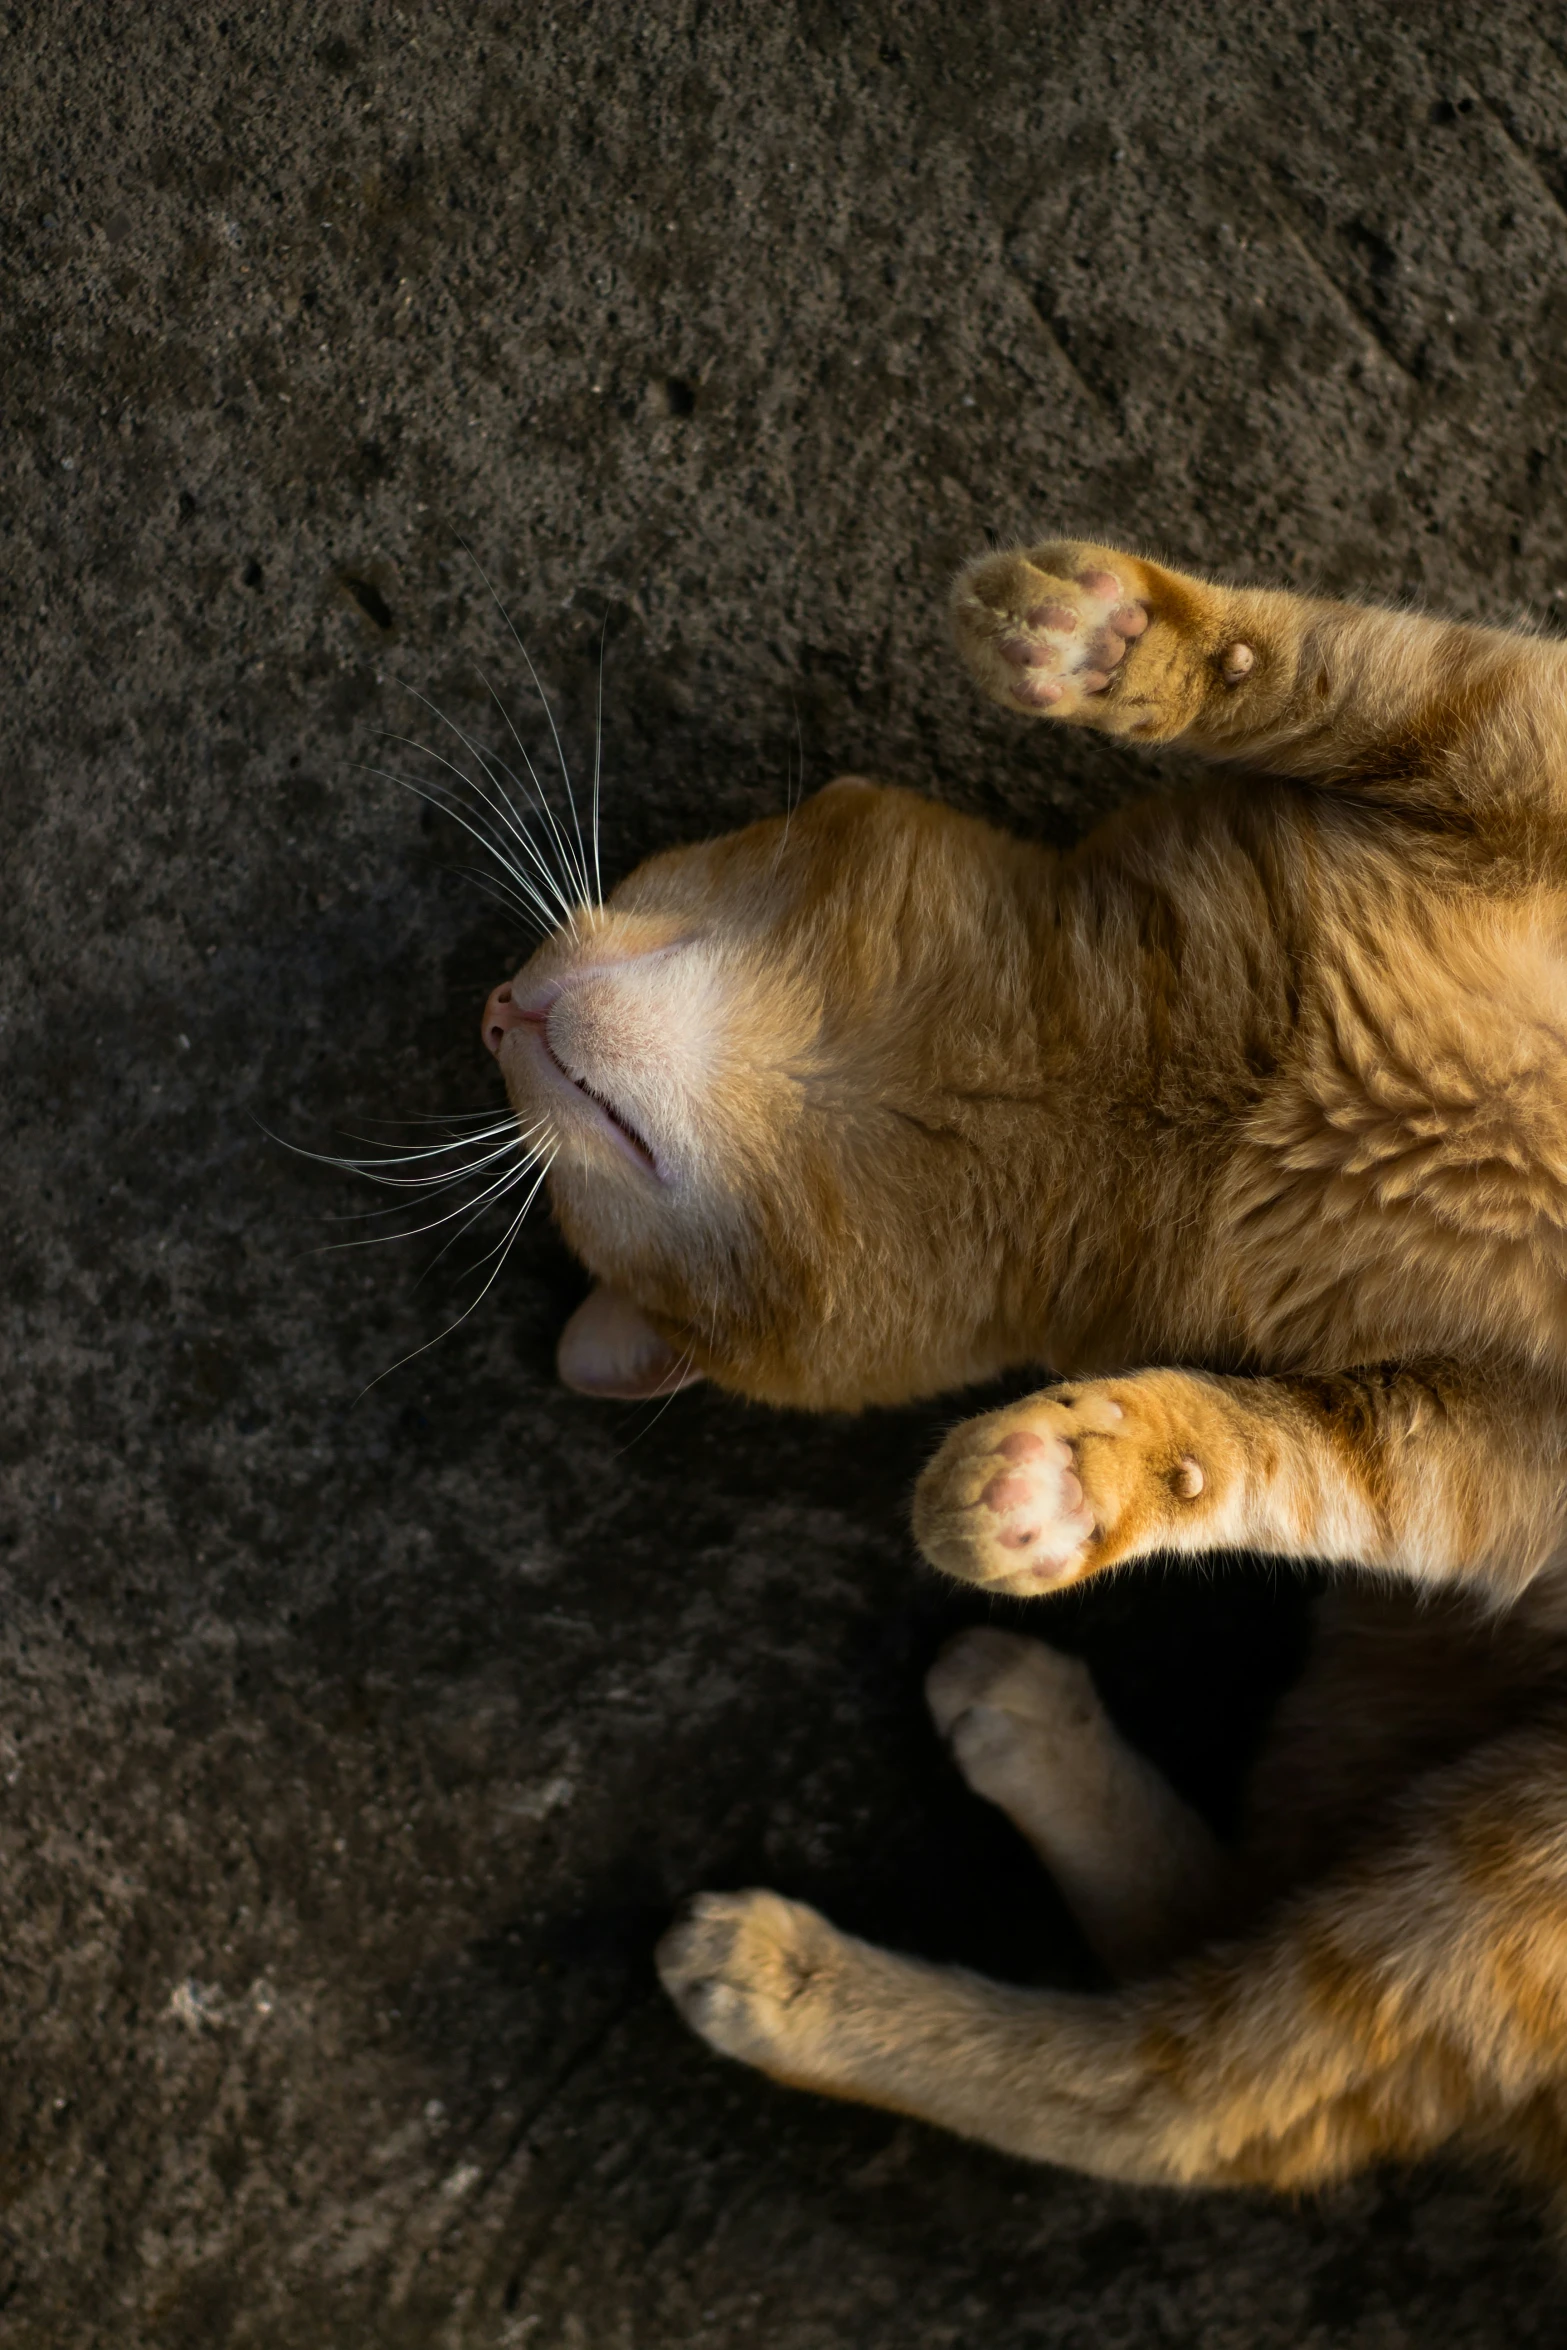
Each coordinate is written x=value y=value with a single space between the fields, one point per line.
x=1433 y=1472
x=1140 y=1871
x=1422 y=710
x=1376 y=2014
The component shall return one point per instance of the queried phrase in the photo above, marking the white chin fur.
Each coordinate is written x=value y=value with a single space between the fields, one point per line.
x=608 y=1349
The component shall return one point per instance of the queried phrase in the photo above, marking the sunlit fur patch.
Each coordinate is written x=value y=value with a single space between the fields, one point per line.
x=791 y=1020
x=930 y=1101
x=650 y=1036
x=1267 y=1082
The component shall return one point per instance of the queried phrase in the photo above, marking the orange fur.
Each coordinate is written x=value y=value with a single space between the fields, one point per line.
x=1267 y=1081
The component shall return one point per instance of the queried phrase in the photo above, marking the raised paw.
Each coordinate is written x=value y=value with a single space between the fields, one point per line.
x=1033 y=1497
x=752 y=1974
x=1048 y=631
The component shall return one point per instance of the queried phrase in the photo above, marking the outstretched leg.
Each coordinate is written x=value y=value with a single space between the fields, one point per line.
x=1419 y=1993
x=1418 y=712
x=1140 y=1871
x=1436 y=1473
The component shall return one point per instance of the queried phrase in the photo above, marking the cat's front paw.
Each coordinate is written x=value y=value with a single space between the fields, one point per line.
x=1048 y=631
x=1036 y=1496
x=753 y=1975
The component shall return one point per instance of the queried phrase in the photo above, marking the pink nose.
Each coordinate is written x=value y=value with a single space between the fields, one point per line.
x=500 y=1013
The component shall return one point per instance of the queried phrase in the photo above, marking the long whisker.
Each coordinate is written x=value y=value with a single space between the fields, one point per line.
x=429 y=1118
x=598 y=760
x=482 y=1208
x=465 y=1207
x=491 y=888
x=503 y=1245
x=539 y=910
x=664 y=1404
x=463 y=1228
x=401 y=1207
x=515 y=1227
x=429 y=1186
x=438 y=1178
x=565 y=775
x=507 y=813
x=391 y=1158
x=442 y=1176
x=576 y=867
x=521 y=893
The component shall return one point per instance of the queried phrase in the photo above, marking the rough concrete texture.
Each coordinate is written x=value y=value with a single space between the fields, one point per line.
x=354 y=1746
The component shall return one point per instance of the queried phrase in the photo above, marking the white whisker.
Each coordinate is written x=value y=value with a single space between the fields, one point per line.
x=506 y=812
x=514 y=1228
x=430 y=1186
x=481 y=1209
x=375 y=1170
x=492 y=1191
x=428 y=1118
x=598 y=758
x=443 y=797
x=540 y=867
x=503 y=1245
x=681 y=1366
x=565 y=775
x=458 y=1234
x=391 y=1158
x=491 y=888
x=539 y=911
x=578 y=870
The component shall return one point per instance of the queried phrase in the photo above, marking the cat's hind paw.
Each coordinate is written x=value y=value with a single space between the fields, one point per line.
x=755 y=1976
x=1016 y=1713
x=1046 y=632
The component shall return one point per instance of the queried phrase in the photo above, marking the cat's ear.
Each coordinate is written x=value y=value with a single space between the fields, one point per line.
x=609 y=1349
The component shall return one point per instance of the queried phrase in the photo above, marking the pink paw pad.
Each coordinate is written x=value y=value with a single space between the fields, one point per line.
x=1070 y=644
x=1038 y=1500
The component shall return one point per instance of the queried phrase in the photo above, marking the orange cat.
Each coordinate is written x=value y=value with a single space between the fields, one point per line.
x=1268 y=1082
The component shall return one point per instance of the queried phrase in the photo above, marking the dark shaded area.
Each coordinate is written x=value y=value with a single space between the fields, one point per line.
x=357 y=1740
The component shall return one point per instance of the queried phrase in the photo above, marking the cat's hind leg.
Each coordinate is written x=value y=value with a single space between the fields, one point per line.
x=1140 y=1871
x=1418 y=1993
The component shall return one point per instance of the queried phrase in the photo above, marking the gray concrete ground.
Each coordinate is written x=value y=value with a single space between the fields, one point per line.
x=354 y=1746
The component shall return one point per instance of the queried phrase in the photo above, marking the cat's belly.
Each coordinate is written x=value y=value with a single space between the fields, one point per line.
x=1402 y=1186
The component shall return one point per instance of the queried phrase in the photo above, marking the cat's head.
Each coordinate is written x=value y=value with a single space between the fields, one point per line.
x=777 y=1071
